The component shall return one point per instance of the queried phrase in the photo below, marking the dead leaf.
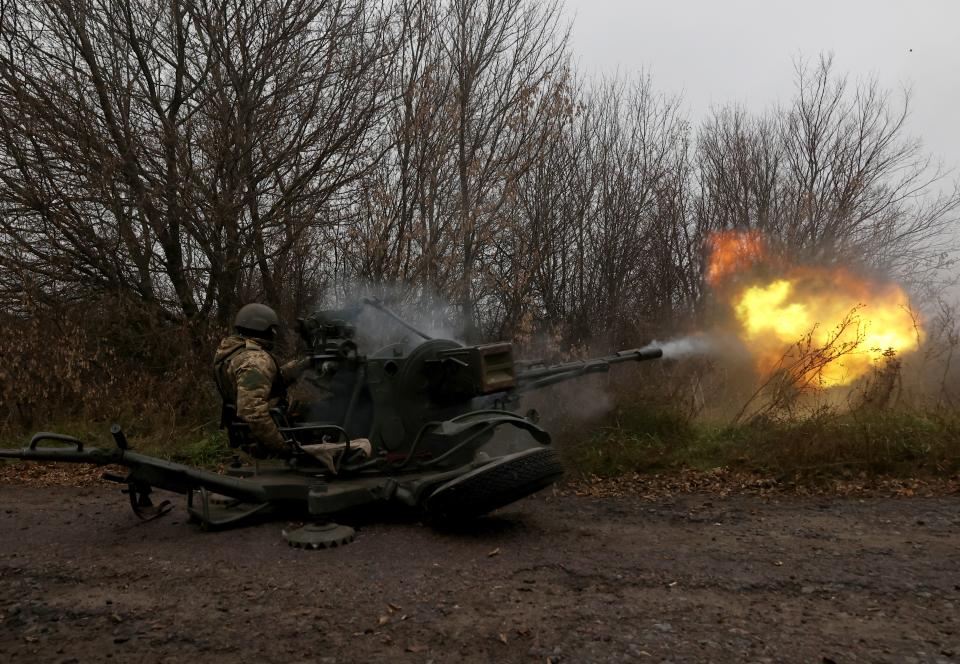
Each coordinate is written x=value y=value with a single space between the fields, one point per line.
x=416 y=648
x=392 y=607
x=383 y=620
x=495 y=552
x=503 y=638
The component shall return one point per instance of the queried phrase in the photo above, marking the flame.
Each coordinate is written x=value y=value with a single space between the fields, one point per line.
x=732 y=252
x=855 y=322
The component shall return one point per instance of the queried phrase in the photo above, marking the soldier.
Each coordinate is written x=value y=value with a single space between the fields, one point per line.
x=251 y=382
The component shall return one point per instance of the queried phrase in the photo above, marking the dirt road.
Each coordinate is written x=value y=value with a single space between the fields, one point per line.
x=561 y=579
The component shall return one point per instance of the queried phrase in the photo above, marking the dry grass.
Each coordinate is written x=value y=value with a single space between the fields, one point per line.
x=828 y=444
x=95 y=364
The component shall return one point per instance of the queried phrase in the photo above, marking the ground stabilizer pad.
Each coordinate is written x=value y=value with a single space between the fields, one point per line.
x=319 y=536
x=494 y=485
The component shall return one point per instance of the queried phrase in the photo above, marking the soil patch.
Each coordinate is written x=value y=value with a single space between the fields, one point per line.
x=694 y=577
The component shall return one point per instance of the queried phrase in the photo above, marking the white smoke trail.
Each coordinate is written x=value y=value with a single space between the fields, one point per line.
x=684 y=347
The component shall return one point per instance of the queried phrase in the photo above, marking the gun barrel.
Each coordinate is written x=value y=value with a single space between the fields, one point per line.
x=638 y=354
x=538 y=377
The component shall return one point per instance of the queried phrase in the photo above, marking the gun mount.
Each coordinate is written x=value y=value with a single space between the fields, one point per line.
x=429 y=410
x=418 y=402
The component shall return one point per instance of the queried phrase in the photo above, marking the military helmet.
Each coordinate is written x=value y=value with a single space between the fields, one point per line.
x=256 y=320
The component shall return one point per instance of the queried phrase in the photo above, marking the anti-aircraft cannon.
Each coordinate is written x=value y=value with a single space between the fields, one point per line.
x=430 y=410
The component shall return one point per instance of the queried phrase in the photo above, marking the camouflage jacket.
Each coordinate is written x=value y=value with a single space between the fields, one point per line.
x=250 y=379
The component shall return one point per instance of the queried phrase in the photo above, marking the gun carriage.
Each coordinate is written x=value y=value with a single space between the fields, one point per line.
x=429 y=409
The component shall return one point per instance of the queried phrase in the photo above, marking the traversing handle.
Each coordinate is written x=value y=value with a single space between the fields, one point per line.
x=63 y=438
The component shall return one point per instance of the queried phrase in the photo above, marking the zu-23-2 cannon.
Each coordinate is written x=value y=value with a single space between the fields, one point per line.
x=430 y=410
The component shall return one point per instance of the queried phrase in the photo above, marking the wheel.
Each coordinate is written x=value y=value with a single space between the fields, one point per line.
x=494 y=485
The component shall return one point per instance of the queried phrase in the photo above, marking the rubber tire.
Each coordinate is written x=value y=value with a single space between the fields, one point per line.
x=496 y=485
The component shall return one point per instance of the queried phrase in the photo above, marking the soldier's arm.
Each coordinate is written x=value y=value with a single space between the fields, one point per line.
x=254 y=381
x=292 y=370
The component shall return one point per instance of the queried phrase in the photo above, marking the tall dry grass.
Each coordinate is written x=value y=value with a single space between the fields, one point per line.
x=82 y=366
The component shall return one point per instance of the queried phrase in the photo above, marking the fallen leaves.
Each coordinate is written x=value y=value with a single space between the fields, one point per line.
x=495 y=552
x=720 y=481
x=29 y=473
x=724 y=482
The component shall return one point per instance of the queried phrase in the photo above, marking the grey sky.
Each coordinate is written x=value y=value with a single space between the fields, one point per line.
x=718 y=51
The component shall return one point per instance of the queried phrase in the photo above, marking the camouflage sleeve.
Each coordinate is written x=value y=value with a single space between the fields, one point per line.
x=254 y=381
x=292 y=370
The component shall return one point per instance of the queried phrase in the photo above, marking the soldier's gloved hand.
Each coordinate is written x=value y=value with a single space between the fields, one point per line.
x=294 y=369
x=320 y=377
x=329 y=368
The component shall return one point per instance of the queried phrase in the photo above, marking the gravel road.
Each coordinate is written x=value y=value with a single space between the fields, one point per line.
x=552 y=578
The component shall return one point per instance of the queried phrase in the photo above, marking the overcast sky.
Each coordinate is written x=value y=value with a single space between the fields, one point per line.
x=719 y=51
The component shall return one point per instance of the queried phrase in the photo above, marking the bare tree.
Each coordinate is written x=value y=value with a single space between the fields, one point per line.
x=176 y=152
x=832 y=177
x=601 y=214
x=505 y=55
x=400 y=234
x=479 y=92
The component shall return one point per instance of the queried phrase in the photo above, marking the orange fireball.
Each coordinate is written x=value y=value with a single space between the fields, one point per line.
x=732 y=252
x=829 y=308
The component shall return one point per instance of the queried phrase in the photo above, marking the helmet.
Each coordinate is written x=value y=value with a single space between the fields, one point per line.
x=256 y=320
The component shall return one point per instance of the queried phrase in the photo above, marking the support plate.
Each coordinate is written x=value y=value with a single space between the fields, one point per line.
x=319 y=536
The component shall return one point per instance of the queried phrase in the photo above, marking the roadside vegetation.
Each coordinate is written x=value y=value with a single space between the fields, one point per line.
x=696 y=416
x=827 y=445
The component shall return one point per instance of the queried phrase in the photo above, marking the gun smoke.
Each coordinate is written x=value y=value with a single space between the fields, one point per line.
x=683 y=347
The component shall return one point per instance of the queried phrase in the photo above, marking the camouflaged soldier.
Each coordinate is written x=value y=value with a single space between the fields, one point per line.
x=251 y=382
